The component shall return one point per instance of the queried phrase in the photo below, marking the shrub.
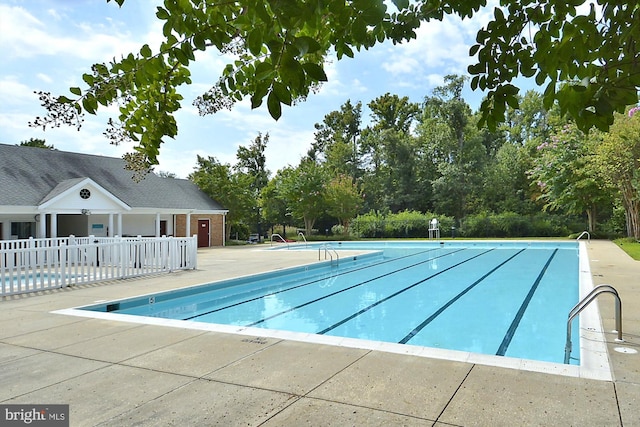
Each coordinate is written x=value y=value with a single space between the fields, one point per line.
x=405 y=224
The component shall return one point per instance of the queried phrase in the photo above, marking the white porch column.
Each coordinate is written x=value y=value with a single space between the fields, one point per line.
x=54 y=225
x=187 y=231
x=120 y=224
x=110 y=229
x=158 y=225
x=42 y=226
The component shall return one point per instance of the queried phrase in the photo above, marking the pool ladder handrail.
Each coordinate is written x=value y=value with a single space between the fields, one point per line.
x=582 y=234
x=591 y=296
x=328 y=249
x=281 y=238
x=300 y=233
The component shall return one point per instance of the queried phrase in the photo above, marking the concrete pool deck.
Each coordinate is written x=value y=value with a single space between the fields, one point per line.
x=117 y=373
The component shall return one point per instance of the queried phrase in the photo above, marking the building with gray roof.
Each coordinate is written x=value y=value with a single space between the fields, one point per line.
x=51 y=193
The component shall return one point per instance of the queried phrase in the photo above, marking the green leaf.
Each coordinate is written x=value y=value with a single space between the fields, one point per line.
x=75 y=91
x=181 y=57
x=315 y=71
x=88 y=79
x=273 y=104
x=312 y=46
x=264 y=70
x=199 y=42
x=282 y=93
x=145 y=51
x=255 y=41
x=64 y=100
x=401 y=4
x=90 y=104
x=162 y=14
x=359 y=30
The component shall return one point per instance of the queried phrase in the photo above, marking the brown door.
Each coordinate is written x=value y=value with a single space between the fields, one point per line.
x=203 y=233
x=163 y=228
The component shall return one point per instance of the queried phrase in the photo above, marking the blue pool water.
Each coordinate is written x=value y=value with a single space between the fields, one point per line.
x=507 y=299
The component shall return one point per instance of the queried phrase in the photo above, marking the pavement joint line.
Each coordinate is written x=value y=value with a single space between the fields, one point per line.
x=453 y=395
x=615 y=393
x=82 y=341
x=61 y=381
x=193 y=379
x=386 y=411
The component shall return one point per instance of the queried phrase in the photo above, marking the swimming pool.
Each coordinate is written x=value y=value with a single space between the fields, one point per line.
x=489 y=298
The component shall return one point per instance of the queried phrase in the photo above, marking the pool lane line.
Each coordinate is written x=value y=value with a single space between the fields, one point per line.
x=316 y=281
x=523 y=307
x=395 y=294
x=438 y=312
x=360 y=284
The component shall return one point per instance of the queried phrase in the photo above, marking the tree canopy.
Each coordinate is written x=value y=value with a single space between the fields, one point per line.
x=588 y=61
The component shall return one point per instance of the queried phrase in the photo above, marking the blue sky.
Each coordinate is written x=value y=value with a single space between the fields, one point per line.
x=48 y=44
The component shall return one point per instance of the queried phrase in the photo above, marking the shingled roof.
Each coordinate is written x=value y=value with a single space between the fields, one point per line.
x=29 y=176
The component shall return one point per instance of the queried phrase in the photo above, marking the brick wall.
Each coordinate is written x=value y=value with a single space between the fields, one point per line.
x=215 y=227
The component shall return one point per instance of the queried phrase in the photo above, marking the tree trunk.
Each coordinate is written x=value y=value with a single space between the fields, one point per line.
x=308 y=225
x=632 y=210
x=591 y=219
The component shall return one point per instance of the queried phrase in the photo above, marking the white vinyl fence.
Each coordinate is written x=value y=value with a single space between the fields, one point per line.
x=32 y=265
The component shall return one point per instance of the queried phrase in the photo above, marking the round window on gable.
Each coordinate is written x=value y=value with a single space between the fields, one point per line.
x=85 y=193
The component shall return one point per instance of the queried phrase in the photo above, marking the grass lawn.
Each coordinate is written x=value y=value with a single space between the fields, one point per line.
x=630 y=246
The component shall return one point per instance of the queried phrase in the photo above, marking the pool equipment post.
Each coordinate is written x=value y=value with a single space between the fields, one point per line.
x=586 y=301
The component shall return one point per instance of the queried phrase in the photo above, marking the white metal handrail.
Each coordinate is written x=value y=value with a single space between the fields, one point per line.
x=582 y=234
x=281 y=239
x=300 y=233
x=328 y=249
x=586 y=301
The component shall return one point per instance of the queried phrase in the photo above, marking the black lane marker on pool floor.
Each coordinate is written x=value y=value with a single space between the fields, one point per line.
x=316 y=281
x=354 y=315
x=516 y=321
x=360 y=284
x=429 y=319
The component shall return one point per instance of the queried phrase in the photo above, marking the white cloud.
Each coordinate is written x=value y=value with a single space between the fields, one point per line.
x=45 y=78
x=13 y=92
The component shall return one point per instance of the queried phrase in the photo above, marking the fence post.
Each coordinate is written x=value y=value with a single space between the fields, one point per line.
x=64 y=270
x=31 y=254
x=194 y=251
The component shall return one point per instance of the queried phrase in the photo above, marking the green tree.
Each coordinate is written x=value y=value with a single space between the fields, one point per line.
x=337 y=140
x=231 y=190
x=35 y=142
x=619 y=159
x=252 y=164
x=505 y=182
x=390 y=150
x=392 y=112
x=252 y=161
x=343 y=200
x=567 y=176
x=588 y=61
x=273 y=203
x=166 y=174
x=444 y=120
x=304 y=190
x=455 y=151
x=280 y=48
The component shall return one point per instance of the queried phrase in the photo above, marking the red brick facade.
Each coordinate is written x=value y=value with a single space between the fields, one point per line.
x=216 y=228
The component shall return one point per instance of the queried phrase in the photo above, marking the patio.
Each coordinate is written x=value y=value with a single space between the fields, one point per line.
x=117 y=373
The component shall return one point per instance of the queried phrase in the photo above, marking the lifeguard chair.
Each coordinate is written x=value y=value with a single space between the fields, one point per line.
x=434 y=229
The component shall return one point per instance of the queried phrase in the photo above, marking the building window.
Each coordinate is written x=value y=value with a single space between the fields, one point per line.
x=23 y=230
x=85 y=193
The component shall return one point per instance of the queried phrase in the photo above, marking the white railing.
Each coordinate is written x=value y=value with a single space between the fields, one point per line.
x=33 y=265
